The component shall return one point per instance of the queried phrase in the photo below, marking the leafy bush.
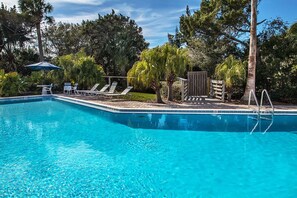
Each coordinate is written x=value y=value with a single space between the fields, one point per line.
x=176 y=90
x=11 y=84
x=36 y=78
x=232 y=71
x=77 y=68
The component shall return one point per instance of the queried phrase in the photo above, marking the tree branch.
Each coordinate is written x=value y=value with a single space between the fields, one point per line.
x=235 y=39
x=241 y=30
x=261 y=21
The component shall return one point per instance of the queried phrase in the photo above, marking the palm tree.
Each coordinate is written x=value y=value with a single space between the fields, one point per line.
x=251 y=77
x=176 y=61
x=233 y=72
x=149 y=71
x=36 y=11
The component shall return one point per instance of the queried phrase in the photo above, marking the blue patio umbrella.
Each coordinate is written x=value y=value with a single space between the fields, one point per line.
x=43 y=66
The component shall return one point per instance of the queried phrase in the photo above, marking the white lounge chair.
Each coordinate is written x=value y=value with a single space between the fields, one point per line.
x=47 y=89
x=102 y=91
x=112 y=87
x=125 y=92
x=67 y=88
x=104 y=88
x=93 y=89
x=74 y=88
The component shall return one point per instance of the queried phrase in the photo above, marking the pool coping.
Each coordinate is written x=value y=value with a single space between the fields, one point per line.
x=114 y=109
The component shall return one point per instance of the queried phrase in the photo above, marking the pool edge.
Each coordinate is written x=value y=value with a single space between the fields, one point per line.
x=114 y=109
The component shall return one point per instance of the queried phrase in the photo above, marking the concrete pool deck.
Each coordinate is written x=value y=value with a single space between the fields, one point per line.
x=209 y=104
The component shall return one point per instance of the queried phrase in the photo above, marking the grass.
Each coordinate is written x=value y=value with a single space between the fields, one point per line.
x=142 y=97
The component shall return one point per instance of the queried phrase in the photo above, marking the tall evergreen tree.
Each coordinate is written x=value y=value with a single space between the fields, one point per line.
x=115 y=41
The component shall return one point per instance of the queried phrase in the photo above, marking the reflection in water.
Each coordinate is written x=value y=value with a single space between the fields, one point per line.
x=198 y=122
x=211 y=122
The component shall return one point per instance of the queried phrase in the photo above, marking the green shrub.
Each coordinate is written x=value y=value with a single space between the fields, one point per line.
x=11 y=84
x=77 y=68
x=36 y=78
x=176 y=90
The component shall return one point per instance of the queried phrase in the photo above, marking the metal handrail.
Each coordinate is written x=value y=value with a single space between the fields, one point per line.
x=268 y=97
x=264 y=91
x=252 y=93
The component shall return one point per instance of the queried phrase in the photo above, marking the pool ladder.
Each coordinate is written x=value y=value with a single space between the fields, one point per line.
x=262 y=114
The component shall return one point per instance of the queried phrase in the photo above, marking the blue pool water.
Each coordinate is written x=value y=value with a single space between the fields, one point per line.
x=52 y=148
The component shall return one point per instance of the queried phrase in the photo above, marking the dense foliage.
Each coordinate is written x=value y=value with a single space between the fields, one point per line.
x=278 y=61
x=115 y=41
x=233 y=72
x=78 y=68
x=149 y=71
x=64 y=38
x=157 y=64
x=14 y=33
x=11 y=84
x=221 y=28
x=217 y=29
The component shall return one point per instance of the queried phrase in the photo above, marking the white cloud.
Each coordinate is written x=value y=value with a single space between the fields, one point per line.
x=78 y=18
x=156 y=23
x=10 y=3
x=84 y=2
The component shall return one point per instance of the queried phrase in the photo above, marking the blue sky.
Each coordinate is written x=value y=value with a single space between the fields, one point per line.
x=156 y=17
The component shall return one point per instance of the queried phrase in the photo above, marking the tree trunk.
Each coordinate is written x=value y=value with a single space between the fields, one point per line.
x=159 y=98
x=170 y=81
x=40 y=48
x=170 y=91
x=251 y=78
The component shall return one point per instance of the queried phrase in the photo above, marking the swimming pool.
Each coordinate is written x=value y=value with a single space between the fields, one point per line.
x=54 y=148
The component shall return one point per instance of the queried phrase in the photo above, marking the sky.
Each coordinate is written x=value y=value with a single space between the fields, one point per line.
x=156 y=17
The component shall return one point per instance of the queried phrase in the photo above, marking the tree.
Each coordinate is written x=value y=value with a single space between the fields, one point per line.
x=149 y=70
x=115 y=41
x=65 y=38
x=14 y=32
x=218 y=18
x=233 y=72
x=165 y=62
x=276 y=67
x=36 y=11
x=251 y=76
x=219 y=28
x=176 y=62
x=176 y=39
